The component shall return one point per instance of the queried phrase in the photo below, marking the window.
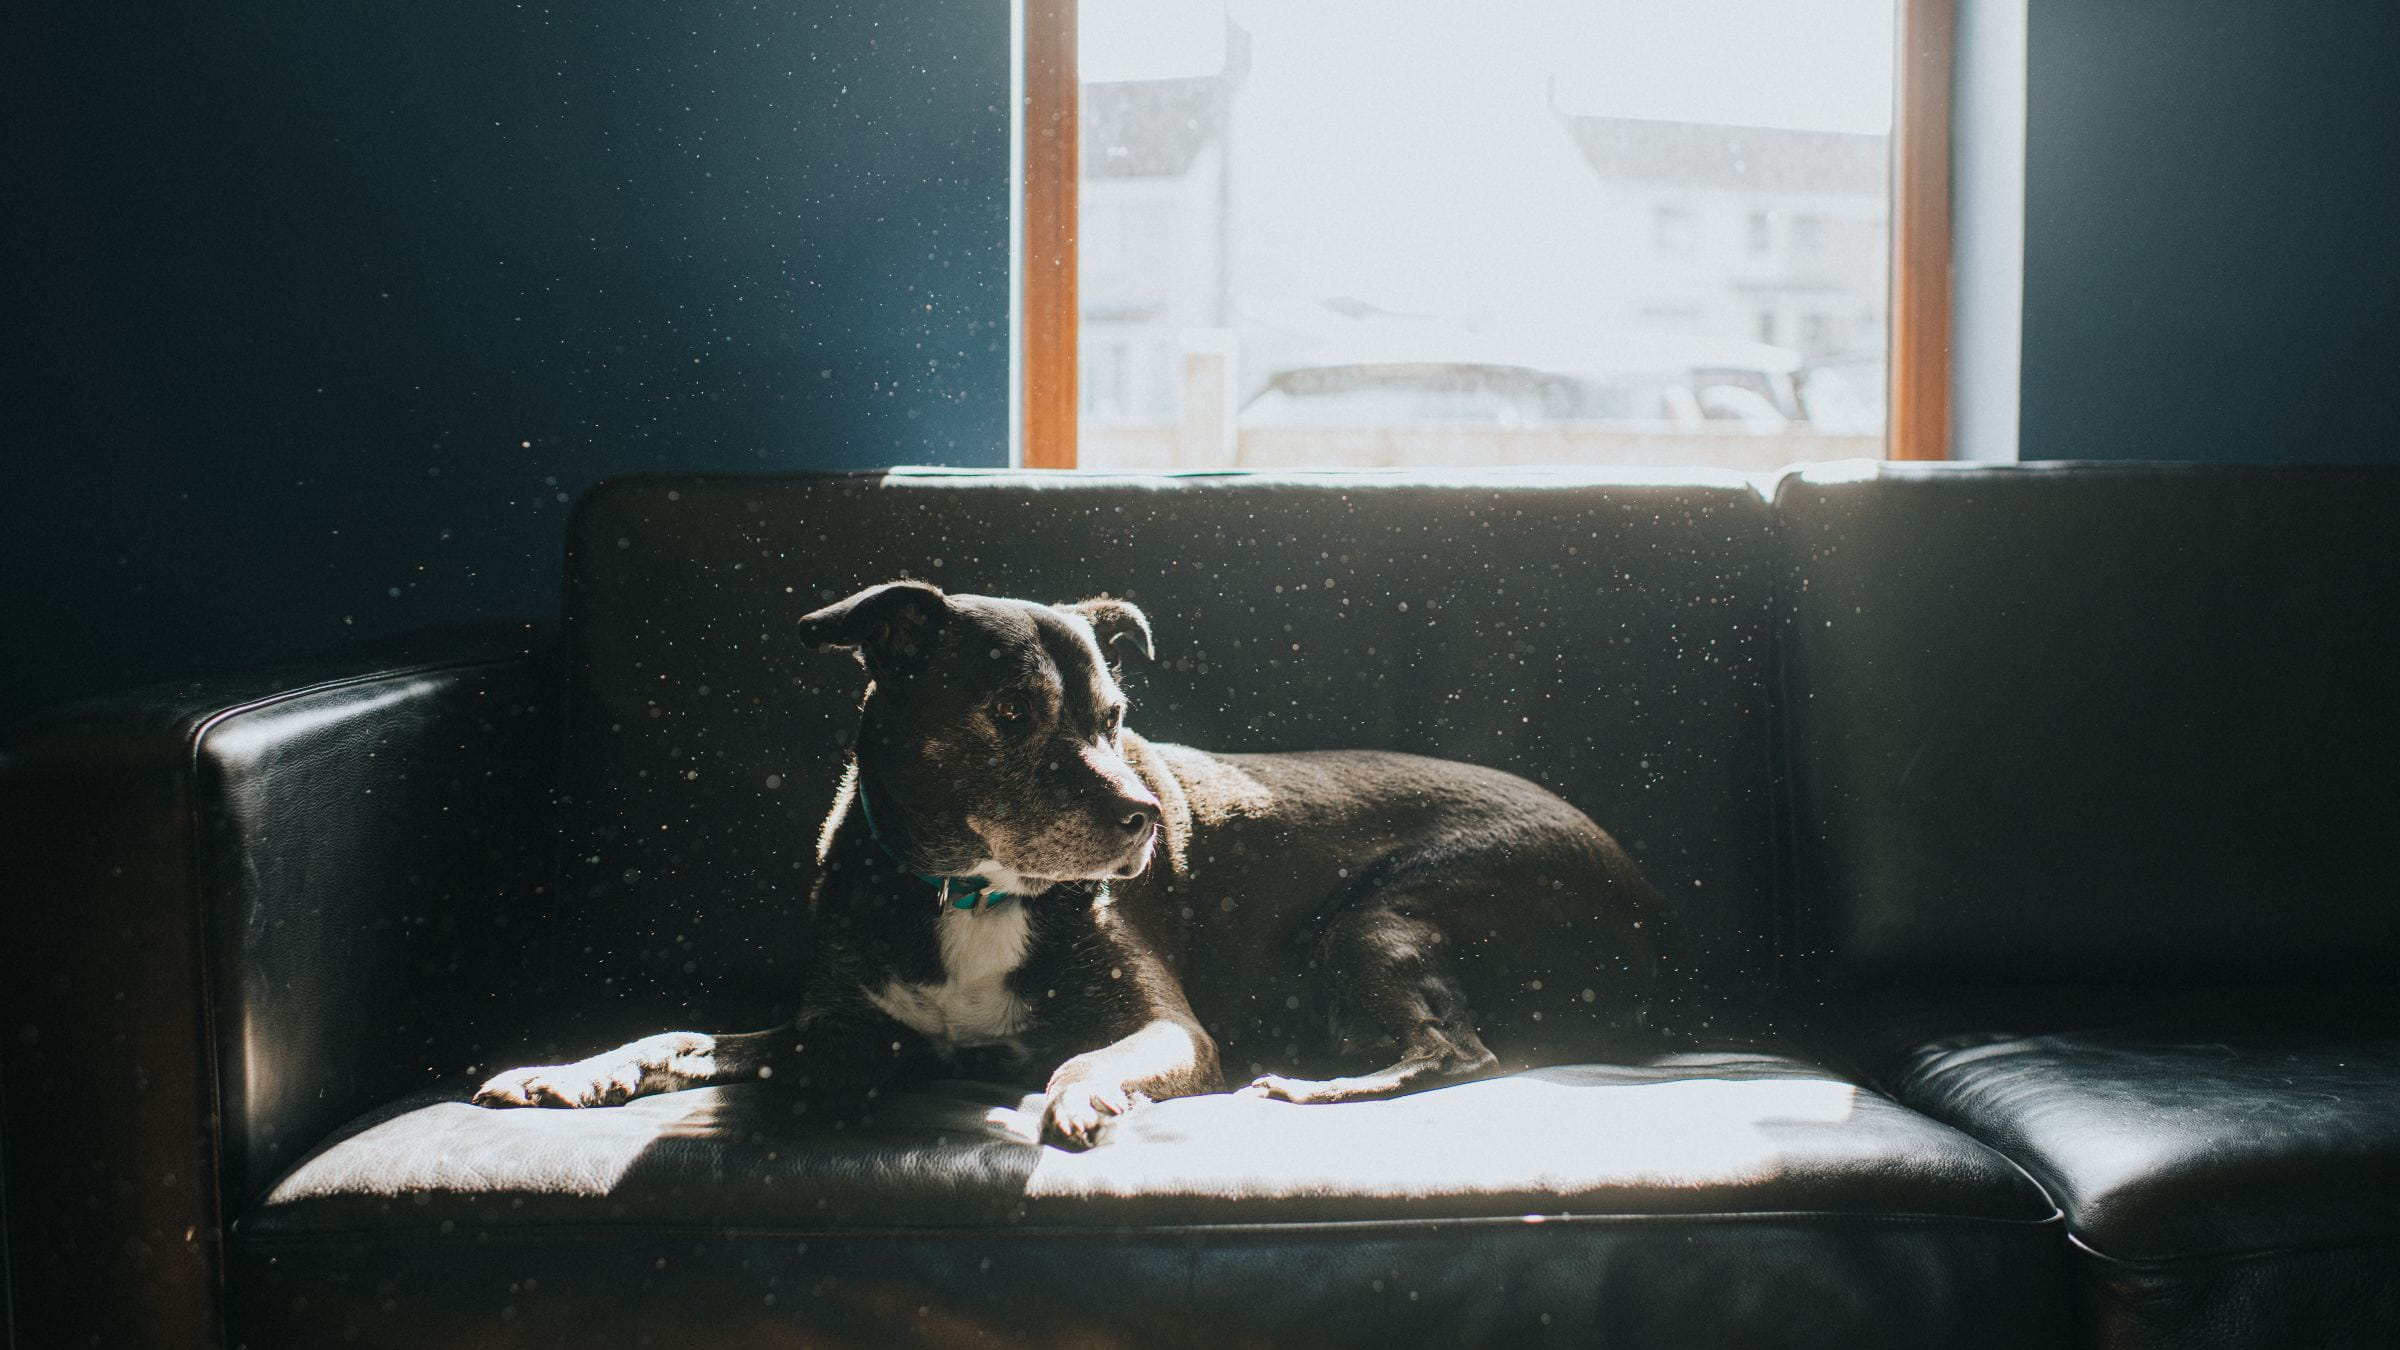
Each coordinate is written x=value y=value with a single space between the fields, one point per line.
x=1554 y=231
x=1674 y=229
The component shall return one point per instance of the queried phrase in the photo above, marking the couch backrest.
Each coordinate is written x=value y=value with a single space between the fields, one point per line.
x=2066 y=722
x=1605 y=638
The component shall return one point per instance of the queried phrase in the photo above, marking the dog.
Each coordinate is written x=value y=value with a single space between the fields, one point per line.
x=1012 y=879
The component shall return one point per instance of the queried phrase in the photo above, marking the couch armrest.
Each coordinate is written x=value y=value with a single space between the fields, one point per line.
x=238 y=914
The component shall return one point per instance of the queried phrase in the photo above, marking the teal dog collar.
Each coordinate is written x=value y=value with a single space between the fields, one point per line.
x=969 y=893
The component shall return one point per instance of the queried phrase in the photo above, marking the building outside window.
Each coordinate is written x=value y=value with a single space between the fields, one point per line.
x=1674 y=229
x=1415 y=233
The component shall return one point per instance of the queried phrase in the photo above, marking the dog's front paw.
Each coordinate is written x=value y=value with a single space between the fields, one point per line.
x=1076 y=1111
x=560 y=1085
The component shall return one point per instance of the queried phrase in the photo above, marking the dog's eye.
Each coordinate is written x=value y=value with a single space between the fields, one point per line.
x=1111 y=720
x=1008 y=708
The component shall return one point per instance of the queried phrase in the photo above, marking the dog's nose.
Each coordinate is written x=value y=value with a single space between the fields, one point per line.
x=1134 y=818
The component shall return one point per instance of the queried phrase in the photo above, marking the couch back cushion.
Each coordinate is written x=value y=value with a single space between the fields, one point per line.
x=2066 y=721
x=1604 y=638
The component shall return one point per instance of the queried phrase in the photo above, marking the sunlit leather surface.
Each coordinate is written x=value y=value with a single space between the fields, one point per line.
x=1687 y=1134
x=1705 y=1195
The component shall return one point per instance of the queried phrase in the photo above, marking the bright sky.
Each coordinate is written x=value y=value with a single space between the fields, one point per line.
x=1407 y=152
x=1822 y=65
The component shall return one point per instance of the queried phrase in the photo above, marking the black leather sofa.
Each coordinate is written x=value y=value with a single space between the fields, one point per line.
x=2033 y=823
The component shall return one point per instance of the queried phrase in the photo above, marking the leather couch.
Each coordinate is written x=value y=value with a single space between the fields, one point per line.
x=2030 y=822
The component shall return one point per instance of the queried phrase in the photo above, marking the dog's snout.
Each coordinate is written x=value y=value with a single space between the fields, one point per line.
x=1122 y=798
x=1134 y=818
x=1137 y=825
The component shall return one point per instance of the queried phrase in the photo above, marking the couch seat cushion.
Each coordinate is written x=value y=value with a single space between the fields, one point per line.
x=1688 y=1134
x=2171 y=1127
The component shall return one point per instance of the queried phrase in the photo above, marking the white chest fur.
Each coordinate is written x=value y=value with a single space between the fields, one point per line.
x=972 y=1005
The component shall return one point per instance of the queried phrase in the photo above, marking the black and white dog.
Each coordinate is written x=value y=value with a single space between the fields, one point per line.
x=1008 y=871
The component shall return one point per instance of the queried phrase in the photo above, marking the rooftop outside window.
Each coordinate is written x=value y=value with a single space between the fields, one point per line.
x=1565 y=231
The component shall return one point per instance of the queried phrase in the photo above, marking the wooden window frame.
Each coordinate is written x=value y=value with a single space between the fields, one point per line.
x=1049 y=318
x=1918 y=363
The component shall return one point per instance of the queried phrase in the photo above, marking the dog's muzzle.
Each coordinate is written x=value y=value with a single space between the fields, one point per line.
x=1141 y=826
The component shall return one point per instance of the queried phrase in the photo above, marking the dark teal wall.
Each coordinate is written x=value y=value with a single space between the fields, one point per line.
x=2212 y=230
x=295 y=284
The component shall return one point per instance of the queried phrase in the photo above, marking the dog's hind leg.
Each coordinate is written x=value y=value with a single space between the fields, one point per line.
x=1393 y=982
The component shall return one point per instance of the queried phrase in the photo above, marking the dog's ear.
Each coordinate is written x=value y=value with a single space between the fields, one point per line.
x=1112 y=619
x=883 y=624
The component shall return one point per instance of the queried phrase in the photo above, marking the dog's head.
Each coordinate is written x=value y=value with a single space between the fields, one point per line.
x=990 y=733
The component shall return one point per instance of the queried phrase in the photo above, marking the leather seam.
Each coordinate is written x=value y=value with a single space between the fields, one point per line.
x=2246 y=1255
x=1230 y=1229
x=2000 y=1143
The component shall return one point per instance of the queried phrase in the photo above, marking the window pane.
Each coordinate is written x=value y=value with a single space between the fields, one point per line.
x=1365 y=232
